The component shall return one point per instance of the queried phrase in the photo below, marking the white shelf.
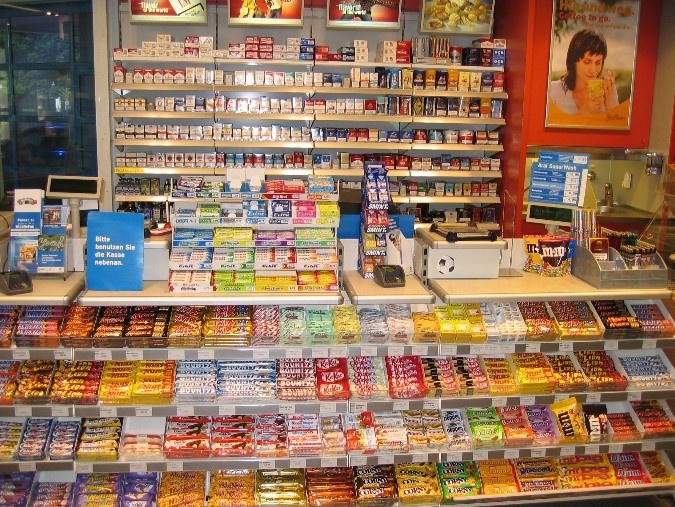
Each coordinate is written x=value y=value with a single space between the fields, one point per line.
x=264 y=88
x=361 y=349
x=492 y=148
x=239 y=407
x=297 y=145
x=363 y=118
x=327 y=461
x=363 y=291
x=447 y=93
x=202 y=171
x=453 y=174
x=166 y=143
x=408 y=199
x=454 y=120
x=52 y=290
x=177 y=115
x=361 y=145
x=157 y=293
x=161 y=86
x=164 y=59
x=141 y=198
x=532 y=287
x=221 y=115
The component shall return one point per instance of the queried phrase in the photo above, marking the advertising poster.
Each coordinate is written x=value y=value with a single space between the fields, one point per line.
x=168 y=11
x=364 y=14
x=114 y=251
x=266 y=12
x=456 y=16
x=592 y=64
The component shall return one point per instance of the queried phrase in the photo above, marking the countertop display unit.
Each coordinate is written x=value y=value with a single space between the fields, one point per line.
x=446 y=291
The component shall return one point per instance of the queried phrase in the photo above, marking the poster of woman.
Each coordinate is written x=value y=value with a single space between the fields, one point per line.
x=592 y=64
x=266 y=12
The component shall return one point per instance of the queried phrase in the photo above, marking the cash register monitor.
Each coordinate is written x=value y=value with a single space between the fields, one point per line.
x=74 y=188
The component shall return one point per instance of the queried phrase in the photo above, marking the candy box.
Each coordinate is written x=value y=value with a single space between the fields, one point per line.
x=644 y=368
x=654 y=318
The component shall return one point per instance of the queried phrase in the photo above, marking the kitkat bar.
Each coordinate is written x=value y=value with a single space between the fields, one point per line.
x=332 y=378
x=406 y=377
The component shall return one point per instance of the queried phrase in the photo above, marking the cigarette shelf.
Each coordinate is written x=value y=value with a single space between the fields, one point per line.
x=453 y=120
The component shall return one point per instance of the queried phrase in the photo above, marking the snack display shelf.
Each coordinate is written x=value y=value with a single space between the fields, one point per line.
x=157 y=293
x=225 y=353
x=263 y=463
x=36 y=466
x=481 y=401
x=36 y=410
x=559 y=450
x=24 y=353
x=246 y=407
x=257 y=407
x=56 y=290
x=636 y=491
x=366 y=291
x=534 y=288
x=207 y=464
x=354 y=350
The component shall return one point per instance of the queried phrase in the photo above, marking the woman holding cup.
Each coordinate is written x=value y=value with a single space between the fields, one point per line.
x=583 y=89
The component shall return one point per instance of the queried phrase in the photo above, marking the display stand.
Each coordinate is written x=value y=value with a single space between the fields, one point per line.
x=615 y=274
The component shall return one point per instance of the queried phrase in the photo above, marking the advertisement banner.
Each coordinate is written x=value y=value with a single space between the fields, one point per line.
x=168 y=11
x=456 y=16
x=592 y=64
x=266 y=12
x=364 y=14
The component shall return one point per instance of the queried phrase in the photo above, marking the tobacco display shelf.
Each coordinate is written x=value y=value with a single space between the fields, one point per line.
x=453 y=120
